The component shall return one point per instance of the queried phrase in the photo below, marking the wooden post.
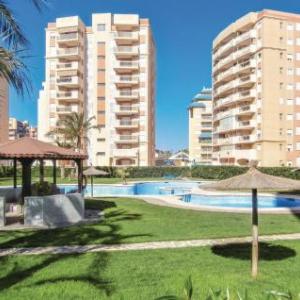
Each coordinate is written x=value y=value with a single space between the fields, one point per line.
x=54 y=171
x=15 y=173
x=254 y=234
x=26 y=177
x=42 y=174
x=80 y=174
x=92 y=187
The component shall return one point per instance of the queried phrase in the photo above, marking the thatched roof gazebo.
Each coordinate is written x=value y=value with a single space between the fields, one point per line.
x=27 y=150
x=90 y=172
x=254 y=180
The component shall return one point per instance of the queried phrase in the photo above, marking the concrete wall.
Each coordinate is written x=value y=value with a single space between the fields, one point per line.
x=53 y=211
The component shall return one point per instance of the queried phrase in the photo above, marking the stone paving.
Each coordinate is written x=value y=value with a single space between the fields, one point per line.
x=143 y=246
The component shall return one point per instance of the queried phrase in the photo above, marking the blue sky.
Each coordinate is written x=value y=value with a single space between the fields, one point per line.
x=183 y=32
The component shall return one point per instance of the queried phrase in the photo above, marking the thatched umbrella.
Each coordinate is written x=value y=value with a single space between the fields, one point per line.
x=91 y=171
x=254 y=180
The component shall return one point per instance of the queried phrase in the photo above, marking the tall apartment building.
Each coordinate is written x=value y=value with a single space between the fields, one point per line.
x=256 y=90
x=200 y=128
x=106 y=71
x=3 y=110
x=19 y=129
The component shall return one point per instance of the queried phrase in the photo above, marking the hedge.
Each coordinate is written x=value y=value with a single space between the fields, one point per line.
x=203 y=172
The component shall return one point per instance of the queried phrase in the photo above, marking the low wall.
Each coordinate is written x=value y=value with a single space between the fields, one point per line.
x=2 y=211
x=53 y=211
x=11 y=195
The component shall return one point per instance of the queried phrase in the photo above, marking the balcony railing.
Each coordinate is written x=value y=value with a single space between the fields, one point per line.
x=71 y=65
x=68 y=80
x=129 y=138
x=127 y=94
x=126 y=34
x=133 y=152
x=68 y=36
x=66 y=95
x=126 y=49
x=68 y=51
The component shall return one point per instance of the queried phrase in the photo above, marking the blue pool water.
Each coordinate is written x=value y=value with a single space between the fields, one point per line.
x=241 y=201
x=143 y=188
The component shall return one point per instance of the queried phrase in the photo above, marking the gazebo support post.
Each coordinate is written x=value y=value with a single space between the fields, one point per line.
x=254 y=234
x=42 y=174
x=92 y=187
x=15 y=172
x=54 y=171
x=80 y=174
x=26 y=176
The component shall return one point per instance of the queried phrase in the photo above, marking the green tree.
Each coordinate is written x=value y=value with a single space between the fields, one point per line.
x=72 y=131
x=12 y=49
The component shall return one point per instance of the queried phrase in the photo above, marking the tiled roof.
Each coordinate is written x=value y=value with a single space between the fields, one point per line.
x=31 y=148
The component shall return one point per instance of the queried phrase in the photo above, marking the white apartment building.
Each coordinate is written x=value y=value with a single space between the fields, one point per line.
x=106 y=71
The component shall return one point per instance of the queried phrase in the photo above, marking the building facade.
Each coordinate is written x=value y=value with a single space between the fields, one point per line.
x=256 y=90
x=19 y=129
x=200 y=128
x=3 y=110
x=105 y=71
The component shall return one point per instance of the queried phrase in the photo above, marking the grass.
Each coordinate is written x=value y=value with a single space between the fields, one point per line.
x=130 y=220
x=8 y=181
x=136 y=275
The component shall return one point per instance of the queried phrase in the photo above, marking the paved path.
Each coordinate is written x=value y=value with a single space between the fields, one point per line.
x=142 y=246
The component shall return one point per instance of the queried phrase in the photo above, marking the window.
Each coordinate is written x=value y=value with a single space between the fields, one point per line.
x=101 y=84
x=297 y=130
x=280 y=116
x=101 y=112
x=280 y=70
x=289 y=132
x=289 y=147
x=298 y=71
x=290 y=71
x=100 y=43
x=281 y=85
x=289 y=117
x=290 y=42
x=289 y=101
x=297 y=41
x=281 y=39
x=290 y=27
x=101 y=153
x=297 y=56
x=297 y=85
x=101 y=98
x=290 y=86
x=298 y=101
x=101 y=140
x=298 y=146
x=298 y=26
x=281 y=55
x=280 y=147
x=100 y=27
x=281 y=101
x=290 y=57
x=297 y=116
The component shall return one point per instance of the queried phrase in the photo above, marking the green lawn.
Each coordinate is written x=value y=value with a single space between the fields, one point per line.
x=145 y=275
x=131 y=220
x=8 y=181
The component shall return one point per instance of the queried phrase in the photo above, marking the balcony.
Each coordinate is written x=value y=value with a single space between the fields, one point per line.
x=235 y=98
x=126 y=37
x=127 y=139
x=232 y=140
x=133 y=152
x=127 y=124
x=126 y=95
x=127 y=110
x=70 y=95
x=248 y=154
x=126 y=80
x=126 y=51
x=247 y=81
x=68 y=53
x=68 y=81
x=69 y=39
x=247 y=36
x=63 y=110
x=235 y=126
x=247 y=110
x=124 y=66
x=67 y=66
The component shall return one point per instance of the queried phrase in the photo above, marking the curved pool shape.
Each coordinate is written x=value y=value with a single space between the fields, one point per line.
x=141 y=188
x=241 y=201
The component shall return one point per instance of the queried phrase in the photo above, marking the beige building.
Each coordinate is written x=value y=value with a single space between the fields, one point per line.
x=3 y=110
x=106 y=71
x=256 y=90
x=19 y=129
x=200 y=128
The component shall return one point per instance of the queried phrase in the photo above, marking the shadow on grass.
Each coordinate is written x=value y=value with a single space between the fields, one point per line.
x=242 y=251
x=108 y=231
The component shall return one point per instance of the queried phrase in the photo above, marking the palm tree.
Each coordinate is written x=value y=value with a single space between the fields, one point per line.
x=13 y=44
x=72 y=131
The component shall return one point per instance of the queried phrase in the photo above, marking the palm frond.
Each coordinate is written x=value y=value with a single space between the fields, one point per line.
x=13 y=69
x=11 y=32
x=40 y=4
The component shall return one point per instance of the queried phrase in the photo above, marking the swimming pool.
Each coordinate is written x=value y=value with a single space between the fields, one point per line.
x=141 y=188
x=245 y=201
